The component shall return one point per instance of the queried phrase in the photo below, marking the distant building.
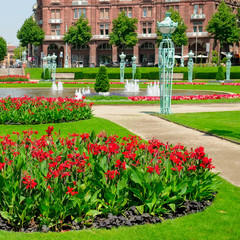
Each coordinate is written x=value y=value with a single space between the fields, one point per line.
x=54 y=15
x=9 y=60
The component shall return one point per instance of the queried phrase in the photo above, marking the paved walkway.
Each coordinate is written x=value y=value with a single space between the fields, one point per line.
x=225 y=154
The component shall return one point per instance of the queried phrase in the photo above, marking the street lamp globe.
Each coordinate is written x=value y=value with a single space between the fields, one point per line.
x=122 y=56
x=167 y=26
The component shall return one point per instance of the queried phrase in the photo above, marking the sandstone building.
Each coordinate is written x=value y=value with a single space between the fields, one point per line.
x=55 y=15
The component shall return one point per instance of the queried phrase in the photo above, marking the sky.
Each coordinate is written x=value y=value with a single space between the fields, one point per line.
x=12 y=16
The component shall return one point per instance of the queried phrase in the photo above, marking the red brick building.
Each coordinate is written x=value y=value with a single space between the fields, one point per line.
x=54 y=15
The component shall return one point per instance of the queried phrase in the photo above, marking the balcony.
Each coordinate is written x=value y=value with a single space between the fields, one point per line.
x=197 y=34
x=55 y=20
x=80 y=3
x=197 y=16
x=54 y=37
x=96 y=37
x=40 y=22
x=147 y=35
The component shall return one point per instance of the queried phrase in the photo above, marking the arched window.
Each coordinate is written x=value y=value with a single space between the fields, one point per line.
x=53 y=47
x=147 y=45
x=105 y=46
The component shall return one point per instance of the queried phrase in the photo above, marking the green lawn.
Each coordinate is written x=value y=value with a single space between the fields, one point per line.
x=223 y=124
x=84 y=126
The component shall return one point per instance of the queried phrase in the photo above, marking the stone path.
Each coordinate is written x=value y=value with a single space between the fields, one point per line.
x=136 y=118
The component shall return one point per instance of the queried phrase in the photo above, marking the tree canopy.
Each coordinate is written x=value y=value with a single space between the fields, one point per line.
x=3 y=48
x=30 y=33
x=223 y=25
x=18 y=52
x=179 y=37
x=124 y=31
x=78 y=34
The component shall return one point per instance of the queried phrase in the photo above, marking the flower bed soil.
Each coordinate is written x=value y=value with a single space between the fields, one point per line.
x=130 y=218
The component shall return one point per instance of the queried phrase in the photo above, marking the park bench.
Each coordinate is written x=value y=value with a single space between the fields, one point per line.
x=65 y=76
x=177 y=76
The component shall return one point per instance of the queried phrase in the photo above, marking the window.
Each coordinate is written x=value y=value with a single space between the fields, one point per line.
x=175 y=7
x=148 y=45
x=147 y=12
x=55 y=30
x=198 y=9
x=147 y=28
x=55 y=14
x=127 y=10
x=104 y=29
x=197 y=27
x=78 y=12
x=104 y=13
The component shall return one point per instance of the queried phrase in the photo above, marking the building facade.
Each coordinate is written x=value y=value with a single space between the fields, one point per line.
x=55 y=16
x=9 y=60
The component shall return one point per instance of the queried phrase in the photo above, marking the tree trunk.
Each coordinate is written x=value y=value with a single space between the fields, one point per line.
x=78 y=55
x=219 y=53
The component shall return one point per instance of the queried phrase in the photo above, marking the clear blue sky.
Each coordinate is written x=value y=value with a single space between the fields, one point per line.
x=12 y=15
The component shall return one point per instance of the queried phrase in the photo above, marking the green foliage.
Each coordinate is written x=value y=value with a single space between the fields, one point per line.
x=102 y=82
x=215 y=57
x=30 y=33
x=18 y=52
x=42 y=110
x=124 y=31
x=220 y=75
x=223 y=25
x=224 y=60
x=138 y=74
x=79 y=34
x=179 y=37
x=3 y=48
x=46 y=75
x=78 y=75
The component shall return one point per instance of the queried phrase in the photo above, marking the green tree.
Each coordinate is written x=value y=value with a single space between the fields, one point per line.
x=179 y=37
x=223 y=26
x=18 y=52
x=220 y=74
x=79 y=34
x=124 y=31
x=102 y=82
x=3 y=48
x=30 y=33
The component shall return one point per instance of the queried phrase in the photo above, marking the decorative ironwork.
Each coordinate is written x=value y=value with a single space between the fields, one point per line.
x=190 y=66
x=134 y=66
x=228 y=66
x=166 y=62
x=122 y=66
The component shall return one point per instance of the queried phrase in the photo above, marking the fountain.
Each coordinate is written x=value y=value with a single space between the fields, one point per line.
x=57 y=87
x=81 y=92
x=153 y=89
x=132 y=86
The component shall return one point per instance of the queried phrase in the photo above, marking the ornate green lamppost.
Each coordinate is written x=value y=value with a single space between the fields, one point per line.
x=49 y=65
x=134 y=66
x=190 y=66
x=166 y=63
x=54 y=66
x=122 y=66
x=228 y=66
x=66 y=55
x=24 y=54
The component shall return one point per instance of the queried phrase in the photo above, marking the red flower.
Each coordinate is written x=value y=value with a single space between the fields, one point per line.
x=71 y=192
x=2 y=165
x=111 y=174
x=49 y=130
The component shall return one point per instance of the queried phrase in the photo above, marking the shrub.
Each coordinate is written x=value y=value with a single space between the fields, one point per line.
x=27 y=110
x=47 y=75
x=224 y=60
x=78 y=75
x=153 y=75
x=220 y=75
x=102 y=82
x=53 y=180
x=138 y=74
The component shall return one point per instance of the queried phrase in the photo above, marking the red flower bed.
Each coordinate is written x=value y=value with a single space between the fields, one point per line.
x=27 y=110
x=231 y=84
x=51 y=180
x=19 y=82
x=90 y=83
x=13 y=78
x=193 y=97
